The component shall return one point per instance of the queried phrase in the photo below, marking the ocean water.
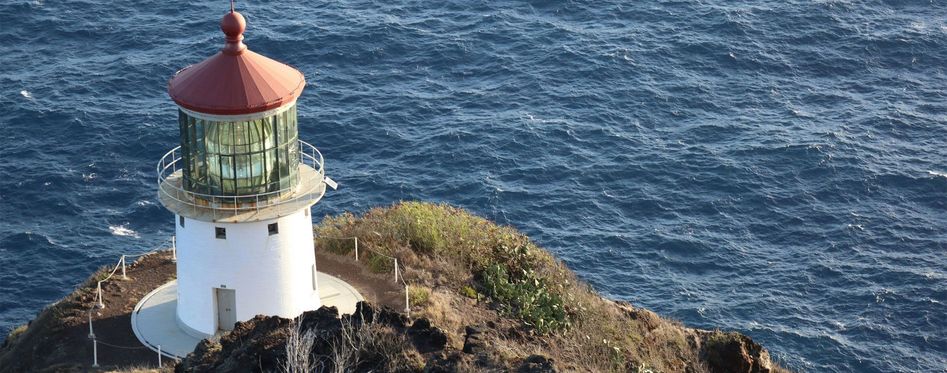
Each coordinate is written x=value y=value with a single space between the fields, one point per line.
x=773 y=167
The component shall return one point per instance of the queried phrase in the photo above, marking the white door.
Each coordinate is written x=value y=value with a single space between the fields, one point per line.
x=226 y=308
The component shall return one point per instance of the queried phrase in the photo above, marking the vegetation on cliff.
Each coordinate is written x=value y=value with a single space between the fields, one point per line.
x=477 y=275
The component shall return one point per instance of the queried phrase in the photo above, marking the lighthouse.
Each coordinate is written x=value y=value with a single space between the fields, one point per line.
x=240 y=185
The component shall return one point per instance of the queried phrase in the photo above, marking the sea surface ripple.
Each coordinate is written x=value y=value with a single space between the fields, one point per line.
x=773 y=167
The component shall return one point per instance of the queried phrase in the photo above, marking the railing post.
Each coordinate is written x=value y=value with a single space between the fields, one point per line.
x=91 y=333
x=407 y=305
x=174 y=248
x=95 y=353
x=396 y=269
x=124 y=277
x=356 y=248
x=98 y=290
x=159 y=356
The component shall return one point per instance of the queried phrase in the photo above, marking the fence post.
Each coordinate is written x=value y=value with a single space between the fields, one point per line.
x=98 y=289
x=91 y=333
x=174 y=249
x=356 y=248
x=95 y=353
x=124 y=277
x=159 y=356
x=396 y=270
x=407 y=304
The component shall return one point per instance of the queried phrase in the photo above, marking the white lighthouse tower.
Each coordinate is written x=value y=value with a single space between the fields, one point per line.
x=241 y=186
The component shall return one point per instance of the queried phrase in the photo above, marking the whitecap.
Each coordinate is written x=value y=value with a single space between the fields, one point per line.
x=123 y=230
x=26 y=94
x=935 y=173
x=838 y=325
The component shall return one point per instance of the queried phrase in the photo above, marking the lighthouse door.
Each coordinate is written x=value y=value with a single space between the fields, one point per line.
x=226 y=308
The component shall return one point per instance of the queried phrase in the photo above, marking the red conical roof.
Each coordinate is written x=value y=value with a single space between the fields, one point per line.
x=235 y=80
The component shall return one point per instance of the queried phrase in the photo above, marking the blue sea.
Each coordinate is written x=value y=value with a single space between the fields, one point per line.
x=778 y=168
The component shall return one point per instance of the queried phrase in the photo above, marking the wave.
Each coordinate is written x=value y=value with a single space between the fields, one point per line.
x=123 y=230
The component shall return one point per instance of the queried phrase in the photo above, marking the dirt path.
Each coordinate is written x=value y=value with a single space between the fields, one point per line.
x=380 y=289
x=112 y=325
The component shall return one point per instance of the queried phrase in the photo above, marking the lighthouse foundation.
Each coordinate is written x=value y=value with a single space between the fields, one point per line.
x=155 y=321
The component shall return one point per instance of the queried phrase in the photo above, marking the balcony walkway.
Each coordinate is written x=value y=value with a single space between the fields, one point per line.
x=310 y=190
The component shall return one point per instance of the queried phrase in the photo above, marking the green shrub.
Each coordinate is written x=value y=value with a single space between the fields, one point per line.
x=418 y=295
x=335 y=246
x=524 y=280
x=469 y=292
x=380 y=263
x=526 y=297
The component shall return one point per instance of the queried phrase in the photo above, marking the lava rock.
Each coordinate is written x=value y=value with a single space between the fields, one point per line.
x=734 y=352
x=473 y=340
x=537 y=364
x=369 y=314
x=324 y=318
x=427 y=338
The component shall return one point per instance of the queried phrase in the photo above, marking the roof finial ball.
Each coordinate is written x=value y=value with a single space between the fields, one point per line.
x=233 y=24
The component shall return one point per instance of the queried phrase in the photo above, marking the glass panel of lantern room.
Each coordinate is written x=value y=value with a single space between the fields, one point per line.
x=192 y=153
x=185 y=146
x=293 y=162
x=242 y=177
x=227 y=179
x=200 y=157
x=273 y=172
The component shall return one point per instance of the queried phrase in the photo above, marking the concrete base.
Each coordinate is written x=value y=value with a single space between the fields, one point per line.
x=154 y=319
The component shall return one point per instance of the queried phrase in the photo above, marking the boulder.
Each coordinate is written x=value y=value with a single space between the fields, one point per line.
x=537 y=364
x=427 y=338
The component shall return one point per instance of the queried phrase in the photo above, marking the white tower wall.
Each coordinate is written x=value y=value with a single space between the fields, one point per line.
x=271 y=274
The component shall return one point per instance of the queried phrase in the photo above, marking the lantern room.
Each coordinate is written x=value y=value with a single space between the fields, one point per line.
x=242 y=157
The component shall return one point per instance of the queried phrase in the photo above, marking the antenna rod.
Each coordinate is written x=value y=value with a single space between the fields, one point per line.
x=231 y=6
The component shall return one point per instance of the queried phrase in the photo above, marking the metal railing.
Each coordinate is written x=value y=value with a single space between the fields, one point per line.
x=99 y=304
x=171 y=185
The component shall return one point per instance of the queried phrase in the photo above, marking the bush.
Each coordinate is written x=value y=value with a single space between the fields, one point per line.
x=380 y=263
x=469 y=292
x=524 y=280
x=525 y=296
x=418 y=295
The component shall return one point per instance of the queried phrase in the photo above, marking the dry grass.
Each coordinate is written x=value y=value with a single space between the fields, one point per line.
x=418 y=295
x=15 y=333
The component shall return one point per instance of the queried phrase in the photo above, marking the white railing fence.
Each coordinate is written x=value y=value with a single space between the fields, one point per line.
x=100 y=304
x=396 y=266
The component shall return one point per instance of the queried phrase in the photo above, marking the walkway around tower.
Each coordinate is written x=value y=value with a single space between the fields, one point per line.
x=134 y=292
x=155 y=324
